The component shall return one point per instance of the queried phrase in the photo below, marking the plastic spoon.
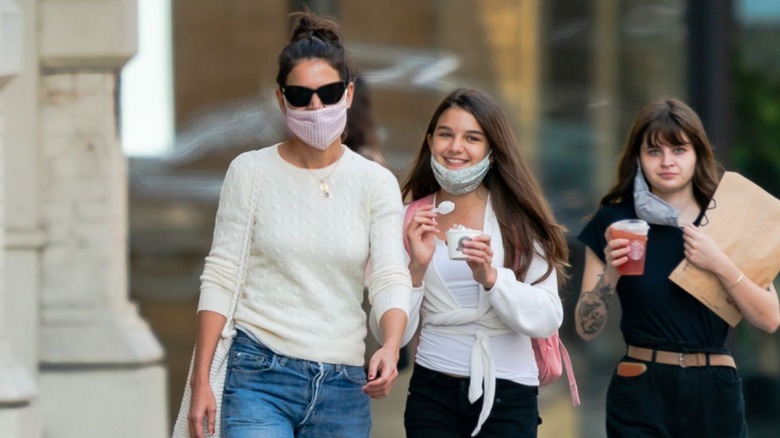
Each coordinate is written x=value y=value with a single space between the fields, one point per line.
x=446 y=207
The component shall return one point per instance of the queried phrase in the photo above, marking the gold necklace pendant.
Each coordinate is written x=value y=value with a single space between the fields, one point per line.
x=324 y=187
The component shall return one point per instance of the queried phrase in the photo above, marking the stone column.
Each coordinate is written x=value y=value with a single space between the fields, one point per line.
x=101 y=371
x=17 y=388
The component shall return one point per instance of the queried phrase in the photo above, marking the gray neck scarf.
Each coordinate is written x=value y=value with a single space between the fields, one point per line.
x=650 y=207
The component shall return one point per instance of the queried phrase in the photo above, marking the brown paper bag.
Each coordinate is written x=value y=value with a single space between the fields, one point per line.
x=744 y=220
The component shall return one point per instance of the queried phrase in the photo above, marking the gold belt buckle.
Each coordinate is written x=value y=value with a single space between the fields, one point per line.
x=682 y=360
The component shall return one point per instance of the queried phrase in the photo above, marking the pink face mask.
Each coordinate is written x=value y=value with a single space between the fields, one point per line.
x=318 y=128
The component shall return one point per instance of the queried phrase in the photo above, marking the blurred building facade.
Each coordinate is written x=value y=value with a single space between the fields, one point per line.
x=90 y=232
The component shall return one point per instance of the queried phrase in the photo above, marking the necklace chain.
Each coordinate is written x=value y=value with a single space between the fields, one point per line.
x=324 y=187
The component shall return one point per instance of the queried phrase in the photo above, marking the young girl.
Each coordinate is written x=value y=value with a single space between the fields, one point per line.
x=475 y=372
x=677 y=377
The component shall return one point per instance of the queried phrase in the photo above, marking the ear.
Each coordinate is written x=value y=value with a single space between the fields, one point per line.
x=350 y=93
x=280 y=100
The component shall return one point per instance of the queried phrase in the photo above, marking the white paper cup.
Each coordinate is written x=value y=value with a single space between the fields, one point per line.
x=455 y=239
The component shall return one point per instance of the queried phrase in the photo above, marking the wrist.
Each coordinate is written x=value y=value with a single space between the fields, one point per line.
x=196 y=380
x=736 y=282
x=610 y=275
x=392 y=341
x=417 y=272
x=392 y=344
x=491 y=279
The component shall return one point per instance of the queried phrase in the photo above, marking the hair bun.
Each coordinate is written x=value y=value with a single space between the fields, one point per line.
x=310 y=26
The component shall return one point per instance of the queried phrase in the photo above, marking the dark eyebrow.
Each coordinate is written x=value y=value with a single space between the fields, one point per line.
x=469 y=132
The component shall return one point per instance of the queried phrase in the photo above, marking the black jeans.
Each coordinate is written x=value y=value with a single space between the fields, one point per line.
x=438 y=407
x=668 y=401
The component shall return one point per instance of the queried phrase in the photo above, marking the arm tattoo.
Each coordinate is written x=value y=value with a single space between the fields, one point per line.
x=593 y=307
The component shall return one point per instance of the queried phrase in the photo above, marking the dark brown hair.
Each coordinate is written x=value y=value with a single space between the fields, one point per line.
x=523 y=214
x=362 y=133
x=668 y=121
x=314 y=38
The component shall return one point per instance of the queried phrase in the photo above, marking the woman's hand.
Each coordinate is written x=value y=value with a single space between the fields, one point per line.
x=615 y=254
x=702 y=251
x=479 y=257
x=758 y=304
x=382 y=371
x=203 y=405
x=420 y=233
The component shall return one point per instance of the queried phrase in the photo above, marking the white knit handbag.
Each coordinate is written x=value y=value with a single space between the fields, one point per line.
x=219 y=363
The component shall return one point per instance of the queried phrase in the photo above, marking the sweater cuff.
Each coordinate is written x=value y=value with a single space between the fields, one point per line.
x=503 y=276
x=395 y=299
x=215 y=300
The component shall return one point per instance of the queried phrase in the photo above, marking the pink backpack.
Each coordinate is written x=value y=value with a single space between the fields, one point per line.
x=551 y=356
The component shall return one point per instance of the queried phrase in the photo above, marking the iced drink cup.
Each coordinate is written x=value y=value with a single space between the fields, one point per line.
x=635 y=230
x=455 y=239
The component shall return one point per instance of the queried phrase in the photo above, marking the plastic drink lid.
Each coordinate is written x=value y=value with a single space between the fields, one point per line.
x=636 y=226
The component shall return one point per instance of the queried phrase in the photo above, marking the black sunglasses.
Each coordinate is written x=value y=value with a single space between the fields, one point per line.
x=301 y=96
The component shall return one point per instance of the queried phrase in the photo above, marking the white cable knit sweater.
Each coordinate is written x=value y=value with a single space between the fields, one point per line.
x=304 y=285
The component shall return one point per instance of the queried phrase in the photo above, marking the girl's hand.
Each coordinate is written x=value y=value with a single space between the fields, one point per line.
x=479 y=257
x=420 y=233
x=701 y=250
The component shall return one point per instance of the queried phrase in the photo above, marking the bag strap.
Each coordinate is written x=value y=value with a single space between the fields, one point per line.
x=573 y=391
x=413 y=206
x=243 y=261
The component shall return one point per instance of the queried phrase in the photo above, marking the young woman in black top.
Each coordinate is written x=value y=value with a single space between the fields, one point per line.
x=677 y=377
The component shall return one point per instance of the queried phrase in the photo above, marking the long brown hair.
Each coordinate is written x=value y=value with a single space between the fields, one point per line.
x=667 y=121
x=523 y=214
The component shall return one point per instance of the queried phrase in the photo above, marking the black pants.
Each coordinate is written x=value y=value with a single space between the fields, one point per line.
x=668 y=401
x=438 y=407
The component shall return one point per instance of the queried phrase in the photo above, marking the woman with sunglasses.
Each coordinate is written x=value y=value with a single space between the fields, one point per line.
x=475 y=373
x=296 y=364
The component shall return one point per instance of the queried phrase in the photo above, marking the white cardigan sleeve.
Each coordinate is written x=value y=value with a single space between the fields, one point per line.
x=535 y=310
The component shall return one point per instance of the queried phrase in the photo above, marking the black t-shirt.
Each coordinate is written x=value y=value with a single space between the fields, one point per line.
x=656 y=313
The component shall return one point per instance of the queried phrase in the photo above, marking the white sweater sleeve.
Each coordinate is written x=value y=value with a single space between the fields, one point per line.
x=220 y=272
x=390 y=283
x=535 y=310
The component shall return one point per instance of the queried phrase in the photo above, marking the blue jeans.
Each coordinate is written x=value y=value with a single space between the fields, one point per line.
x=268 y=395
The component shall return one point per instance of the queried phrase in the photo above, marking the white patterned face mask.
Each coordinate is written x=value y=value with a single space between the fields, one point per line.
x=461 y=181
x=318 y=128
x=649 y=207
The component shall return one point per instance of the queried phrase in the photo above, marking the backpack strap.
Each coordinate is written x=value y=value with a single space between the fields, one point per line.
x=575 y=394
x=413 y=206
